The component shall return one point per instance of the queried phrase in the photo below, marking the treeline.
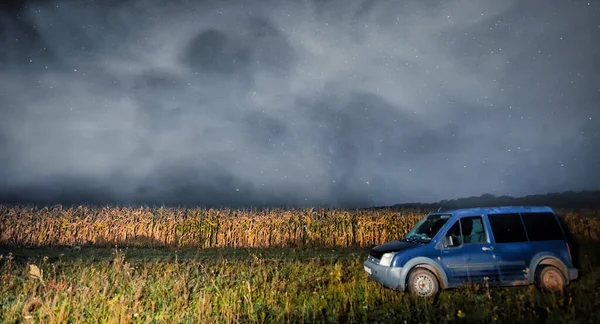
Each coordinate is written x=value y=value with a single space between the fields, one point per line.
x=573 y=200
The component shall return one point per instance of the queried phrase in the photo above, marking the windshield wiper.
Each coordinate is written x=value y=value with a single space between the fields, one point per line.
x=415 y=239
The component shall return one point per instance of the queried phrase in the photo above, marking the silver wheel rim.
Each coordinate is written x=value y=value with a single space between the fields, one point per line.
x=552 y=280
x=423 y=285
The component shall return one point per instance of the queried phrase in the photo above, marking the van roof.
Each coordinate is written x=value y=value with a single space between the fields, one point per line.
x=497 y=210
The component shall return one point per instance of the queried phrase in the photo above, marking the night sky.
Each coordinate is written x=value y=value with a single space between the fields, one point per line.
x=297 y=103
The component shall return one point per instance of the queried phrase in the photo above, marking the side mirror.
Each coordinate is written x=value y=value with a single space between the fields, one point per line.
x=448 y=241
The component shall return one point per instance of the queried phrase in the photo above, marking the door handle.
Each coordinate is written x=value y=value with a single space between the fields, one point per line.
x=487 y=248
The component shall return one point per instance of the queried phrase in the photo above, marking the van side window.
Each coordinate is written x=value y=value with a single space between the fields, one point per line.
x=507 y=228
x=542 y=226
x=454 y=232
x=472 y=230
x=467 y=230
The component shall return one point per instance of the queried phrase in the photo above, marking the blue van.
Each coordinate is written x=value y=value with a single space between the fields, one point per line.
x=497 y=246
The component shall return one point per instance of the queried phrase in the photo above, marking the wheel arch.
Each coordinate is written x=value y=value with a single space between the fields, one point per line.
x=543 y=259
x=424 y=263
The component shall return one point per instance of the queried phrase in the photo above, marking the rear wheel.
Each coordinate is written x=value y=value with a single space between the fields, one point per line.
x=550 y=278
x=423 y=283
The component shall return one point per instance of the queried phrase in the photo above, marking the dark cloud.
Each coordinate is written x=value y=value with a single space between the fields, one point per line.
x=213 y=51
x=272 y=50
x=339 y=103
x=262 y=129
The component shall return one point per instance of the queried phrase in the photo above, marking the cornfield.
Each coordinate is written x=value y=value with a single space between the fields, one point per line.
x=206 y=228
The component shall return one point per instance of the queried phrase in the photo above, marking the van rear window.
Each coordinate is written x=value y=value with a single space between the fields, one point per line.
x=542 y=226
x=507 y=228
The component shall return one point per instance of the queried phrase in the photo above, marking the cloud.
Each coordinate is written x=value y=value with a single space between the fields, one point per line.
x=338 y=103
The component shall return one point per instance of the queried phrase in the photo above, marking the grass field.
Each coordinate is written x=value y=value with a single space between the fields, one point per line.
x=312 y=278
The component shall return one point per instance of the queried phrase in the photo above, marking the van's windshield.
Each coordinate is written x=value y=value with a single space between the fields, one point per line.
x=427 y=228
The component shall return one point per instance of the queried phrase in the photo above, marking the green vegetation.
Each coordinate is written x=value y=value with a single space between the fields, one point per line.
x=95 y=285
x=60 y=264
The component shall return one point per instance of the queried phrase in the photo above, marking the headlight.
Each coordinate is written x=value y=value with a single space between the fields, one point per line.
x=386 y=259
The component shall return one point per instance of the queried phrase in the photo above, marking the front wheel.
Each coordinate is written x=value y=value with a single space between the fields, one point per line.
x=550 y=278
x=423 y=283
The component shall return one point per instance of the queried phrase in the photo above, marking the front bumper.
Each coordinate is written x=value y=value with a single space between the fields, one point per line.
x=387 y=276
x=573 y=273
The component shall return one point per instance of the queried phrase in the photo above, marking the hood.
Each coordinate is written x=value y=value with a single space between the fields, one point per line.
x=393 y=246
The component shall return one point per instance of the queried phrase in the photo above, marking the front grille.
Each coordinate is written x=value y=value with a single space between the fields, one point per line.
x=372 y=259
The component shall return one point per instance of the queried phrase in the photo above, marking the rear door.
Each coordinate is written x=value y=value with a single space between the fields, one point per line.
x=545 y=235
x=513 y=250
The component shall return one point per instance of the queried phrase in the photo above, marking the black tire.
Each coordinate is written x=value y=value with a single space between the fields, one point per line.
x=550 y=278
x=423 y=283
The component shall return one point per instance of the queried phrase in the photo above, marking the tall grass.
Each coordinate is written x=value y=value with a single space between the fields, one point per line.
x=205 y=228
x=297 y=266
x=282 y=286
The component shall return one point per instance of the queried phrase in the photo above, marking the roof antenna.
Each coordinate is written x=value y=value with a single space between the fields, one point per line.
x=439 y=208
